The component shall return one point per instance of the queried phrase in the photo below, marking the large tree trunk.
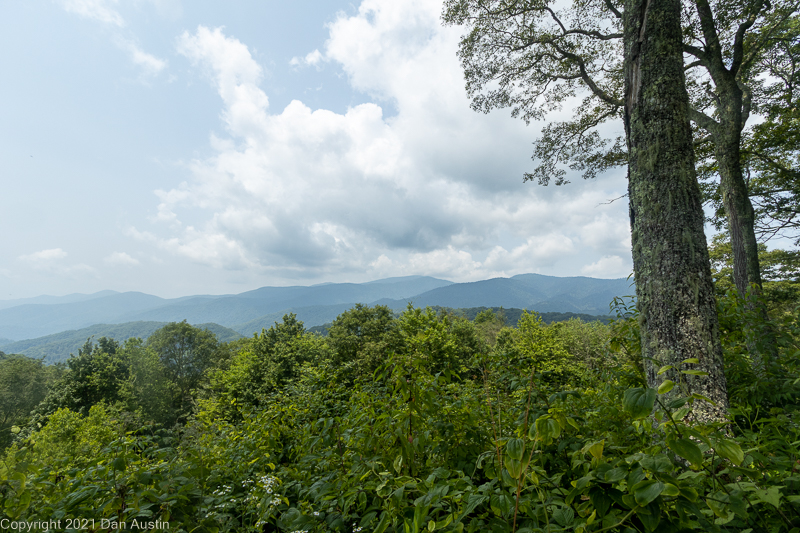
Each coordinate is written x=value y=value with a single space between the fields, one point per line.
x=670 y=256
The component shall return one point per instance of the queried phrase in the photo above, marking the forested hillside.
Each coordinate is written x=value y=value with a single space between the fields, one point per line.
x=425 y=421
x=58 y=347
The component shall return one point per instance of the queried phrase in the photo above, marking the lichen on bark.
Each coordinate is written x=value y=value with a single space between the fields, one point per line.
x=673 y=278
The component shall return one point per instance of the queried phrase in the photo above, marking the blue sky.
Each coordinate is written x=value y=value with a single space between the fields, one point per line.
x=183 y=148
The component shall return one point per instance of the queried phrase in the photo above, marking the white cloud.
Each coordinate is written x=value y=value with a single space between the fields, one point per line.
x=150 y=64
x=99 y=10
x=103 y=12
x=435 y=189
x=50 y=261
x=612 y=266
x=120 y=259
x=44 y=256
x=312 y=59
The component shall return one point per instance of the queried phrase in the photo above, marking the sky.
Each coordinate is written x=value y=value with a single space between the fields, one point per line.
x=177 y=148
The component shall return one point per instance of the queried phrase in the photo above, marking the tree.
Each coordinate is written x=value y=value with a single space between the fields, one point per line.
x=148 y=387
x=363 y=336
x=780 y=271
x=23 y=384
x=534 y=55
x=186 y=352
x=670 y=257
x=771 y=151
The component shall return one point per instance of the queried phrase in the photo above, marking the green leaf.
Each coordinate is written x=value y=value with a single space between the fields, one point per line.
x=666 y=386
x=596 y=449
x=118 y=464
x=398 y=463
x=547 y=429
x=639 y=402
x=600 y=500
x=383 y=524
x=647 y=491
x=664 y=369
x=650 y=516
x=657 y=463
x=771 y=495
x=691 y=361
x=686 y=449
x=670 y=490
x=730 y=451
x=694 y=372
x=515 y=448
x=564 y=516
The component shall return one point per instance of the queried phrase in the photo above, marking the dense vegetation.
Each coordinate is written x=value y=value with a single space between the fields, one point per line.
x=58 y=347
x=426 y=421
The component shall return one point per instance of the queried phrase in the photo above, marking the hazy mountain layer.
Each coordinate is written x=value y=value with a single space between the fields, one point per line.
x=315 y=305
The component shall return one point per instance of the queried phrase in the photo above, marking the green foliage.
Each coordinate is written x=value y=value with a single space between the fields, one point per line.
x=780 y=273
x=58 y=347
x=186 y=353
x=362 y=336
x=544 y=351
x=548 y=430
x=23 y=384
x=777 y=384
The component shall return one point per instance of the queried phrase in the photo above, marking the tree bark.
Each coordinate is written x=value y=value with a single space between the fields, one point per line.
x=670 y=256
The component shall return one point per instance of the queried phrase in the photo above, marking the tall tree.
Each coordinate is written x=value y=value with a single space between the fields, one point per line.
x=23 y=384
x=727 y=47
x=186 y=352
x=670 y=257
x=532 y=55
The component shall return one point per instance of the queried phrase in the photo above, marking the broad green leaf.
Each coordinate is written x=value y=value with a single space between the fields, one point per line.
x=515 y=448
x=600 y=500
x=547 y=429
x=691 y=361
x=657 y=463
x=514 y=467
x=647 y=491
x=670 y=490
x=650 y=516
x=383 y=523
x=666 y=386
x=596 y=449
x=687 y=449
x=730 y=451
x=664 y=369
x=564 y=516
x=639 y=402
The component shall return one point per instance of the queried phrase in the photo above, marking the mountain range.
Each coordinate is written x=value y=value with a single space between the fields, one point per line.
x=250 y=311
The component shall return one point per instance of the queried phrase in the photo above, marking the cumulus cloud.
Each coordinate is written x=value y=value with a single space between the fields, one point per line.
x=120 y=259
x=44 y=256
x=610 y=266
x=312 y=59
x=50 y=261
x=435 y=189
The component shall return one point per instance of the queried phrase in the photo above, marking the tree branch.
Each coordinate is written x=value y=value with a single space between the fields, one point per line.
x=703 y=120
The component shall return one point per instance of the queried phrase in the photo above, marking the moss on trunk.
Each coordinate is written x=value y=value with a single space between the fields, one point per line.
x=670 y=256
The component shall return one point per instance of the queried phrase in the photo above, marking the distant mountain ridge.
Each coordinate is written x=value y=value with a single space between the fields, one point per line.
x=58 y=347
x=251 y=311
